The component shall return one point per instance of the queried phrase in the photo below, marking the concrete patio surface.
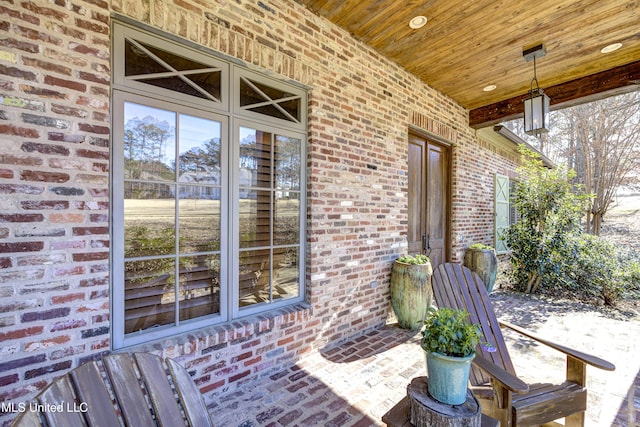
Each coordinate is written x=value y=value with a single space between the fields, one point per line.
x=356 y=382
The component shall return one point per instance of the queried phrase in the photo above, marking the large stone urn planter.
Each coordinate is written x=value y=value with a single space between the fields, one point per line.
x=411 y=292
x=483 y=261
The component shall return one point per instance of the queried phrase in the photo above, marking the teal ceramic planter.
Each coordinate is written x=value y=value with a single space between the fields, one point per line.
x=448 y=377
x=411 y=293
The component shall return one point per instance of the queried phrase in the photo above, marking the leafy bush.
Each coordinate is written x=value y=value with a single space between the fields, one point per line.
x=629 y=261
x=549 y=212
x=449 y=332
x=550 y=252
x=145 y=241
x=480 y=246
x=596 y=271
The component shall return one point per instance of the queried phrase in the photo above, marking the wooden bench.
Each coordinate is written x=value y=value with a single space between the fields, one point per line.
x=147 y=392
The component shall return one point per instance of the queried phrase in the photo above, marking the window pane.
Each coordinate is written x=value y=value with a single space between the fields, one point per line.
x=199 y=163
x=144 y=59
x=199 y=286
x=254 y=280
x=149 y=219
x=149 y=294
x=287 y=163
x=286 y=274
x=176 y=84
x=255 y=219
x=286 y=218
x=199 y=150
x=149 y=143
x=209 y=82
x=138 y=61
x=255 y=158
x=199 y=218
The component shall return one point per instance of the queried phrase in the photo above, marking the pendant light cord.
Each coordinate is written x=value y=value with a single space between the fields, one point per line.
x=535 y=78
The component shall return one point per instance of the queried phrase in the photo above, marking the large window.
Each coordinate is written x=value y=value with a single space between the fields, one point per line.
x=208 y=189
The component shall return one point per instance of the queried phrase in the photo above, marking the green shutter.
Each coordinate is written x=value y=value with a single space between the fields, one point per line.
x=501 y=205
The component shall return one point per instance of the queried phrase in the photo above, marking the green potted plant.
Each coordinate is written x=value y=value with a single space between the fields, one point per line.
x=449 y=341
x=482 y=260
x=411 y=292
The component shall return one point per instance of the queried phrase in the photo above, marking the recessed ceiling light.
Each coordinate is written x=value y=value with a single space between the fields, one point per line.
x=489 y=88
x=418 y=22
x=611 y=48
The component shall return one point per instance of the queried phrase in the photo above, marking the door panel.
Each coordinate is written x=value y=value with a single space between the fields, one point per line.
x=417 y=200
x=437 y=203
x=428 y=222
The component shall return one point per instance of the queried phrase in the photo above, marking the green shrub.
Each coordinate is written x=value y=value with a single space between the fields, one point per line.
x=543 y=238
x=146 y=241
x=630 y=270
x=549 y=251
x=449 y=332
x=480 y=246
x=596 y=271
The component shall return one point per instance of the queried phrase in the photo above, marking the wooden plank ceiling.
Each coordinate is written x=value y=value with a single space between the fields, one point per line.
x=468 y=45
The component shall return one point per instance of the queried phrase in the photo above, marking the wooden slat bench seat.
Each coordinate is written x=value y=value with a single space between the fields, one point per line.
x=147 y=392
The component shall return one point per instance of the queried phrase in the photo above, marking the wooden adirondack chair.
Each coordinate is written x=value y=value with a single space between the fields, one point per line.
x=493 y=379
x=148 y=394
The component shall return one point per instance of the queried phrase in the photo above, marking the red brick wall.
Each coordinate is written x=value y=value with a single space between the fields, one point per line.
x=473 y=199
x=54 y=205
x=54 y=182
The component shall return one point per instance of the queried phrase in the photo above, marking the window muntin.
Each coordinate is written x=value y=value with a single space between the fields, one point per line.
x=180 y=260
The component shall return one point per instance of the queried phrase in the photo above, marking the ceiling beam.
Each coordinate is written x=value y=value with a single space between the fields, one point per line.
x=615 y=81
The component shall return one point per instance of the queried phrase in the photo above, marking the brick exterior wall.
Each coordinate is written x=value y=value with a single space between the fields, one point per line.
x=54 y=182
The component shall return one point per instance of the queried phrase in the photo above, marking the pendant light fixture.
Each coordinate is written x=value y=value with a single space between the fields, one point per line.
x=536 y=105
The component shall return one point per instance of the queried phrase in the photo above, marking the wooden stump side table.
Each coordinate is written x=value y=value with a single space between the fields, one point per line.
x=430 y=412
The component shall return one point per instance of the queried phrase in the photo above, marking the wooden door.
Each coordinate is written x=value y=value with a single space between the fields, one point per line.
x=428 y=222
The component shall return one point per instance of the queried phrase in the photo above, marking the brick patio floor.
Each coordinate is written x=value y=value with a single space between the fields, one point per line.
x=357 y=381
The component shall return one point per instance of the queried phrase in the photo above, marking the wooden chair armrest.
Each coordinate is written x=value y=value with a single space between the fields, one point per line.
x=507 y=380
x=578 y=355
